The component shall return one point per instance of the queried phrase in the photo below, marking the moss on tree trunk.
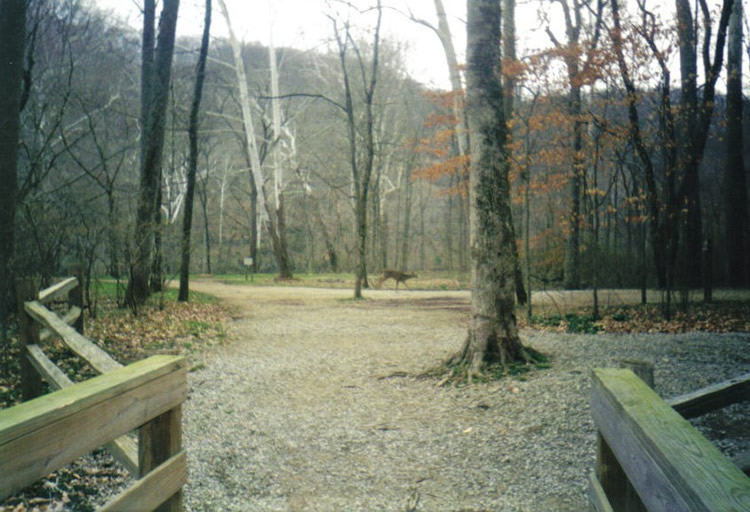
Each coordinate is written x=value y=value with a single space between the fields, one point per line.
x=493 y=334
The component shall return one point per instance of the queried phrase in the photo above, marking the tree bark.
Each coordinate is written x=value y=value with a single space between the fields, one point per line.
x=688 y=116
x=736 y=229
x=509 y=86
x=12 y=42
x=694 y=123
x=157 y=260
x=187 y=220
x=148 y=42
x=153 y=130
x=493 y=334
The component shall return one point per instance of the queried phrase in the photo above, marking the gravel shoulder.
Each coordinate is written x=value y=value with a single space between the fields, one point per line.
x=297 y=412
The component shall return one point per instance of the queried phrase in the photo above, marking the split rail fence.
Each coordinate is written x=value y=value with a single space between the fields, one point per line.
x=44 y=433
x=650 y=458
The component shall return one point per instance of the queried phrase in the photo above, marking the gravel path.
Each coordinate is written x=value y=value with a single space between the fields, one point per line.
x=297 y=412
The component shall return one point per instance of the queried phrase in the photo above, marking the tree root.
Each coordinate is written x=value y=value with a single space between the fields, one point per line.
x=458 y=368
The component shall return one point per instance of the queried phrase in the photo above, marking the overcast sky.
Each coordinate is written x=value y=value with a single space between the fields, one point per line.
x=302 y=24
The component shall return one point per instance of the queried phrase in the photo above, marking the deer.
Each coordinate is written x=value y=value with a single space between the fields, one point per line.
x=399 y=277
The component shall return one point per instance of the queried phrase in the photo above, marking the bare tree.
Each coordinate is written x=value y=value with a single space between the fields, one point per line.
x=272 y=225
x=460 y=142
x=157 y=94
x=361 y=169
x=187 y=221
x=573 y=14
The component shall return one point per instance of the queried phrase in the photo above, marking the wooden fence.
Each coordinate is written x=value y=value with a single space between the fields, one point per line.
x=651 y=458
x=46 y=432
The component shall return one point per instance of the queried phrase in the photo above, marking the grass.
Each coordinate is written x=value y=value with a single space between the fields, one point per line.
x=110 y=289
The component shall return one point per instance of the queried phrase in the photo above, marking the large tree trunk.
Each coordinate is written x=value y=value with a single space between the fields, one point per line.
x=690 y=193
x=153 y=131
x=187 y=220
x=493 y=335
x=157 y=261
x=736 y=230
x=12 y=41
x=694 y=123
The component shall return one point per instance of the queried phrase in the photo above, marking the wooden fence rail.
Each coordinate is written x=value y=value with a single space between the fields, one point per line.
x=158 y=440
x=645 y=443
x=43 y=434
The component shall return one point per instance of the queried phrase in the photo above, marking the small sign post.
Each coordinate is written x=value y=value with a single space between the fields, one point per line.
x=248 y=262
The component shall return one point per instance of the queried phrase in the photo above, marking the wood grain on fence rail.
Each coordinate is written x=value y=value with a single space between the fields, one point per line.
x=153 y=489
x=56 y=290
x=124 y=449
x=70 y=317
x=96 y=357
x=671 y=465
x=713 y=397
x=40 y=436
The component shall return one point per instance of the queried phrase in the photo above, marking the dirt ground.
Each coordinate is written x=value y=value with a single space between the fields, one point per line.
x=311 y=405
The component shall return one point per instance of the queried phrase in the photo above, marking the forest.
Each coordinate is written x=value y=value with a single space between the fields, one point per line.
x=622 y=172
x=610 y=156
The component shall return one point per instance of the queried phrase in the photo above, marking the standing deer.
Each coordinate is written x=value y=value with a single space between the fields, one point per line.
x=399 y=277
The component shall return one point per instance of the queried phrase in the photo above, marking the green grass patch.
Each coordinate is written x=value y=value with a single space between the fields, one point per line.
x=582 y=324
x=546 y=321
x=197 y=327
x=108 y=289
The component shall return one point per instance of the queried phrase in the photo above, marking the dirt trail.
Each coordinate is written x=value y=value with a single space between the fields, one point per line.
x=300 y=410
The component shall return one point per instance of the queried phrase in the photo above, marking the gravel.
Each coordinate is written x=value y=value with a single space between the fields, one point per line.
x=306 y=408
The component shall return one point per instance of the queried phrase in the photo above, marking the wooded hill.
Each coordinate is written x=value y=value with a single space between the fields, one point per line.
x=80 y=149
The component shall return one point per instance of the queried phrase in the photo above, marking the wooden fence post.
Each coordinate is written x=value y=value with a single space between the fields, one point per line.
x=158 y=440
x=28 y=334
x=614 y=481
x=75 y=296
x=643 y=369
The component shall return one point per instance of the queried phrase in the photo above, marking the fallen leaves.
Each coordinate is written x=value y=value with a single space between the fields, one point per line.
x=173 y=327
x=170 y=327
x=717 y=317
